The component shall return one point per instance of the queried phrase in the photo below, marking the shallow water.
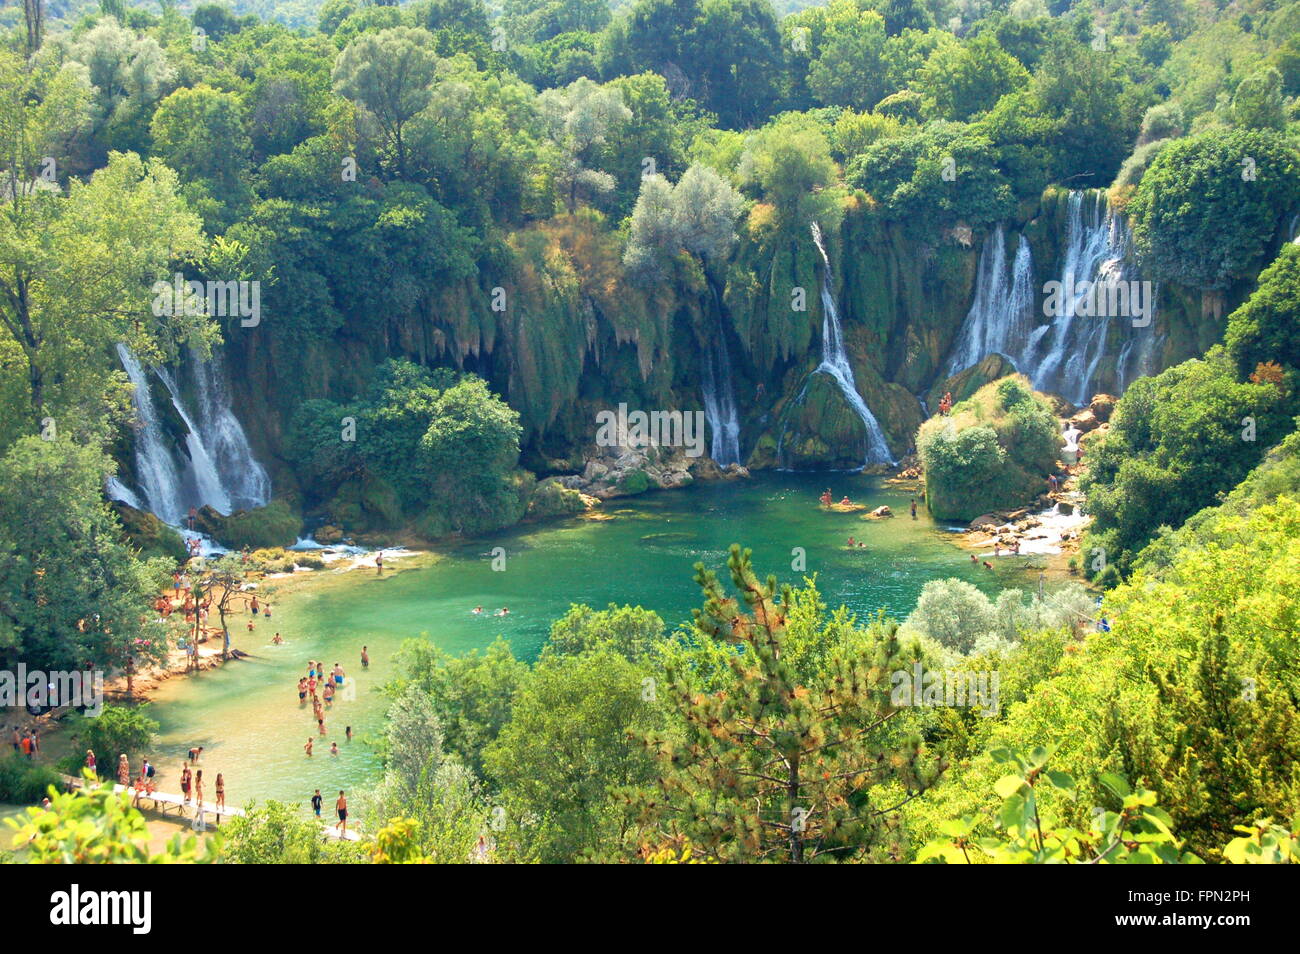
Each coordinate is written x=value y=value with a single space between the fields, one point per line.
x=247 y=717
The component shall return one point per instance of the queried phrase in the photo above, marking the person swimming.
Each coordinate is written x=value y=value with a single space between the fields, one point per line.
x=503 y=611
x=477 y=611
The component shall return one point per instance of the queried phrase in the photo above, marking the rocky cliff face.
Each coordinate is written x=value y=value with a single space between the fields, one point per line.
x=555 y=325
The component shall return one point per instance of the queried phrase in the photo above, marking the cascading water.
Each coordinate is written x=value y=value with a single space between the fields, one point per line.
x=720 y=402
x=1065 y=354
x=1001 y=317
x=245 y=480
x=216 y=467
x=835 y=361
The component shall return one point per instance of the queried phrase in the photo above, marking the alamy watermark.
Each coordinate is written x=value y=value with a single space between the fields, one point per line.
x=230 y=299
x=953 y=688
x=1107 y=298
x=39 y=690
x=623 y=428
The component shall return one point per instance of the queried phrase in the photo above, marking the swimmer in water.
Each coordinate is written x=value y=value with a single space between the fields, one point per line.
x=277 y=639
x=477 y=611
x=503 y=611
x=334 y=748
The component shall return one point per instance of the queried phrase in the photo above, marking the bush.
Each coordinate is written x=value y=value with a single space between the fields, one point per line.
x=118 y=730
x=23 y=783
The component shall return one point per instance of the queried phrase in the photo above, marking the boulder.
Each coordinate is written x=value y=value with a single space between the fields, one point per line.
x=1102 y=406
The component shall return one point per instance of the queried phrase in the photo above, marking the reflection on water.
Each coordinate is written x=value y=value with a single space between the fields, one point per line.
x=247 y=716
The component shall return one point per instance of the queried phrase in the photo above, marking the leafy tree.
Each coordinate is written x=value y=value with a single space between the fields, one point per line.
x=79 y=603
x=1264 y=328
x=275 y=833
x=567 y=750
x=200 y=133
x=789 y=161
x=957 y=82
x=1258 y=102
x=849 y=69
x=697 y=215
x=953 y=612
x=1175 y=442
x=1139 y=832
x=389 y=73
x=472 y=695
x=579 y=119
x=775 y=767
x=76 y=269
x=1208 y=207
x=630 y=631
x=116 y=731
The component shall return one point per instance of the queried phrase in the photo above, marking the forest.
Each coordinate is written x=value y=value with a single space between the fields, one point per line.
x=368 y=272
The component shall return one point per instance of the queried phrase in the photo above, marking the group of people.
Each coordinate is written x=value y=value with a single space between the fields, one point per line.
x=503 y=611
x=826 y=499
x=144 y=785
x=945 y=403
x=25 y=742
x=328 y=683
x=340 y=808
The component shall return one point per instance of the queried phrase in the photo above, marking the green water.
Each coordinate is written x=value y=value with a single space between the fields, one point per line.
x=247 y=716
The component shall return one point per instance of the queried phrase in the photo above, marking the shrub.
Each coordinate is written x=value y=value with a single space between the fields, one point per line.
x=23 y=783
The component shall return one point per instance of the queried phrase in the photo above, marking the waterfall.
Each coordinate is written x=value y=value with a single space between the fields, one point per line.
x=245 y=480
x=216 y=468
x=1065 y=354
x=1001 y=317
x=835 y=362
x=720 y=402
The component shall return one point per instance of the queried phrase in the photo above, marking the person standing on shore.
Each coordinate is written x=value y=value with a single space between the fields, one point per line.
x=198 y=789
x=123 y=771
x=379 y=562
x=341 y=806
x=221 y=792
x=185 y=784
x=316 y=802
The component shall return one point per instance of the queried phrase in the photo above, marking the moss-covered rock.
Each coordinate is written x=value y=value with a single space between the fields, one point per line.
x=275 y=525
x=992 y=452
x=965 y=383
x=820 y=430
x=634 y=482
x=150 y=535
x=550 y=498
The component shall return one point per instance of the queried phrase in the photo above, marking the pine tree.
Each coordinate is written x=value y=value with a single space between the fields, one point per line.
x=773 y=767
x=1235 y=751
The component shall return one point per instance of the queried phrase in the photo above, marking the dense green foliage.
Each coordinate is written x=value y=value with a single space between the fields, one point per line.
x=473 y=226
x=440 y=450
x=994 y=450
